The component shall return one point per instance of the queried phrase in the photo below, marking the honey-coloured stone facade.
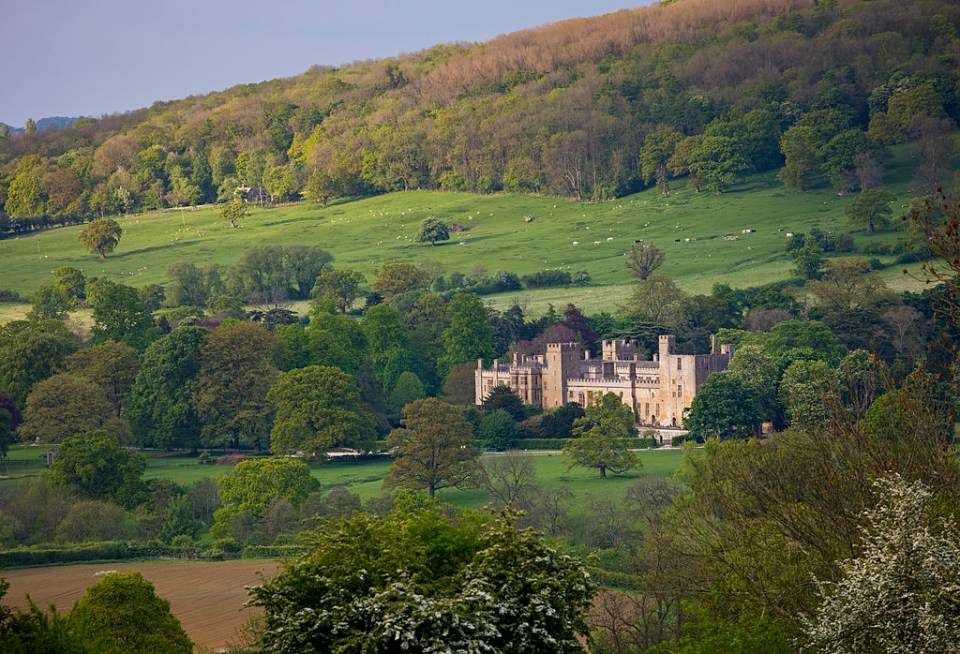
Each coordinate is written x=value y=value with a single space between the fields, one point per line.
x=658 y=391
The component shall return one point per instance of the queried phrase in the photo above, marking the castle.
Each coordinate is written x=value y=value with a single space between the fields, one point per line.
x=658 y=391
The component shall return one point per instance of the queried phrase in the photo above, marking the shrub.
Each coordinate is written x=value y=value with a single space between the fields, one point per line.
x=547 y=278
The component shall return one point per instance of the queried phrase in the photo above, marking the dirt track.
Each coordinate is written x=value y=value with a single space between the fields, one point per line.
x=208 y=598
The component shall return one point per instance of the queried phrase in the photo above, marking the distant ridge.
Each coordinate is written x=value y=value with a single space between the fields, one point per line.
x=53 y=122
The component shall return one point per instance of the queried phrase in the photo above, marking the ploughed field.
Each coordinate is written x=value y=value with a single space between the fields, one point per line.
x=207 y=597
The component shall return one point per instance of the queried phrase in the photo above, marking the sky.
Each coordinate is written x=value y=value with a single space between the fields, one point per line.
x=97 y=57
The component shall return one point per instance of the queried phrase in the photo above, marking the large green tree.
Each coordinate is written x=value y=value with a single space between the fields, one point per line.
x=254 y=485
x=32 y=351
x=119 y=315
x=235 y=376
x=99 y=468
x=469 y=336
x=160 y=408
x=342 y=286
x=423 y=583
x=724 y=407
x=66 y=404
x=318 y=408
x=434 y=450
x=101 y=236
x=599 y=437
x=112 y=366
x=122 y=614
x=871 y=208
x=433 y=230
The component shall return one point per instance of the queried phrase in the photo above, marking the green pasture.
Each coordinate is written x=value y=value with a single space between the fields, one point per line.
x=365 y=478
x=363 y=234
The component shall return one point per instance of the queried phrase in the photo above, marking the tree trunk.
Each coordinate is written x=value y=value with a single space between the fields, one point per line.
x=603 y=471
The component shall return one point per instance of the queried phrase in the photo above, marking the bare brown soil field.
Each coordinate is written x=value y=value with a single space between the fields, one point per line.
x=207 y=597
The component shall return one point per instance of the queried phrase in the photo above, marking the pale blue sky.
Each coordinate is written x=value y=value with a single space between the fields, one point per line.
x=95 y=57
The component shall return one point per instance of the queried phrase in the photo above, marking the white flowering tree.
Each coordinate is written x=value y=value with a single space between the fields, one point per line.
x=902 y=594
x=420 y=583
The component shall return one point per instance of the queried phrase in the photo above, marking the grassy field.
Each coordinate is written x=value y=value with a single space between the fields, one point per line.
x=363 y=234
x=365 y=478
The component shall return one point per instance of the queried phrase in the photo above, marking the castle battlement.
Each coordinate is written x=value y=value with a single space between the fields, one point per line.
x=657 y=391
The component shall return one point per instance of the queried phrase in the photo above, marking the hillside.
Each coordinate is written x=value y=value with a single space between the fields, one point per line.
x=363 y=234
x=695 y=93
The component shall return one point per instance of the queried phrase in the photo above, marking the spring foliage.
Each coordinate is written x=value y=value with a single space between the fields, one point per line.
x=422 y=583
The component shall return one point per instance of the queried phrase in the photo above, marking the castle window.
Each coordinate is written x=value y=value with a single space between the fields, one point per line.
x=679 y=390
x=679 y=364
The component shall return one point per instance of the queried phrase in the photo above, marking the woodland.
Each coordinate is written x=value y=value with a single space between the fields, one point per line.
x=816 y=505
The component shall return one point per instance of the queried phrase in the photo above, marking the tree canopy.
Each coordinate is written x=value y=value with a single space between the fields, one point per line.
x=101 y=236
x=599 y=437
x=434 y=450
x=420 y=583
x=99 y=468
x=121 y=613
x=318 y=408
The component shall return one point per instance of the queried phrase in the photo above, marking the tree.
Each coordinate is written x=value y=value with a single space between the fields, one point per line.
x=502 y=398
x=899 y=593
x=469 y=336
x=119 y=315
x=235 y=376
x=318 y=408
x=234 y=210
x=851 y=284
x=810 y=394
x=809 y=260
x=871 y=208
x=419 y=582
x=334 y=340
x=644 y=258
x=718 y=162
x=97 y=466
x=599 y=437
x=407 y=389
x=396 y=277
x=189 y=285
x=434 y=450
x=160 y=409
x=656 y=299
x=101 y=236
x=254 y=485
x=801 y=149
x=343 y=286
x=30 y=352
x=498 y=431
x=67 y=404
x=433 y=230
x=10 y=419
x=122 y=614
x=112 y=366
x=304 y=263
x=655 y=154
x=49 y=302
x=724 y=407
x=510 y=478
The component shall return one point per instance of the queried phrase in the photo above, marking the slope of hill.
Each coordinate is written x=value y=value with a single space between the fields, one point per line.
x=362 y=234
x=592 y=109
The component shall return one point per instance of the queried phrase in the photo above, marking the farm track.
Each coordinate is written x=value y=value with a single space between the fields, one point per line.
x=207 y=597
